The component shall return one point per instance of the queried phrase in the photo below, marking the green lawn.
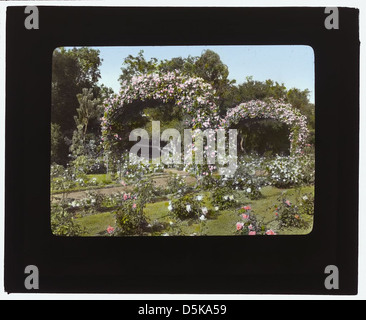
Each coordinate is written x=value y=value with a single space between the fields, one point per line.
x=221 y=224
x=102 y=179
x=96 y=224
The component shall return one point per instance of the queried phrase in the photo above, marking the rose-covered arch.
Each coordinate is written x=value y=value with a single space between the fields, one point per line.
x=195 y=97
x=276 y=110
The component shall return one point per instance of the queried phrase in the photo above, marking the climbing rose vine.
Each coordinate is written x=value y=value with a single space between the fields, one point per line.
x=276 y=110
x=198 y=101
x=195 y=97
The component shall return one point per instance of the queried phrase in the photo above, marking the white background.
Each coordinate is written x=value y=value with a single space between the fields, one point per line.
x=360 y=4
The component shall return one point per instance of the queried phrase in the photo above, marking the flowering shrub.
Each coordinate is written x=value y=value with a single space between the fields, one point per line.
x=73 y=176
x=205 y=176
x=96 y=202
x=188 y=206
x=248 y=185
x=177 y=184
x=146 y=190
x=63 y=223
x=223 y=198
x=254 y=172
x=85 y=164
x=130 y=218
x=291 y=171
x=114 y=199
x=249 y=225
x=61 y=178
x=288 y=215
x=306 y=204
x=252 y=167
x=133 y=169
x=80 y=168
x=273 y=109
x=246 y=177
x=94 y=199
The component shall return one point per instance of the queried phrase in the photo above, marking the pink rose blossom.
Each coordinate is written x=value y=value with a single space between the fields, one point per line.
x=110 y=229
x=239 y=226
x=270 y=232
x=252 y=233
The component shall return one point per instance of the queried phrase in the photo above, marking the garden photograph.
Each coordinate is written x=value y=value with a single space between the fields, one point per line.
x=182 y=141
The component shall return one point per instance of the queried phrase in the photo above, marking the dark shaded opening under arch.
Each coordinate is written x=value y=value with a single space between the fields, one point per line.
x=266 y=137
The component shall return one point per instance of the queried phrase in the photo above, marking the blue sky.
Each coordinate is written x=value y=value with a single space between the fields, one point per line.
x=291 y=65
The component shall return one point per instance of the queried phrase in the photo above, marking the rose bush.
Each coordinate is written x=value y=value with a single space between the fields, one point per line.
x=188 y=206
x=288 y=214
x=250 y=225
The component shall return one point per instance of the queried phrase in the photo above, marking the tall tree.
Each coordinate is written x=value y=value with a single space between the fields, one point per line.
x=136 y=66
x=261 y=90
x=89 y=108
x=89 y=62
x=210 y=67
x=72 y=70
x=56 y=141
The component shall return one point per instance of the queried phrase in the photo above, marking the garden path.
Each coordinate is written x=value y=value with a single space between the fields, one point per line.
x=160 y=181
